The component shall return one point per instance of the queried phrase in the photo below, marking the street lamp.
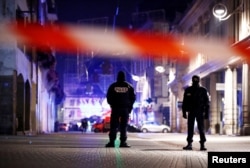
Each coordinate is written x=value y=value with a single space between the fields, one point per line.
x=160 y=69
x=220 y=11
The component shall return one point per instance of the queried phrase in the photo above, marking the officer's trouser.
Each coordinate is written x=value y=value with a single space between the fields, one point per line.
x=200 y=123
x=119 y=120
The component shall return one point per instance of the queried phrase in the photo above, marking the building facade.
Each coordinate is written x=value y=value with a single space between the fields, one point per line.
x=226 y=79
x=28 y=83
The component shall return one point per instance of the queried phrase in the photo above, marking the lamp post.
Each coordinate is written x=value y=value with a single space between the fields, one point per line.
x=220 y=11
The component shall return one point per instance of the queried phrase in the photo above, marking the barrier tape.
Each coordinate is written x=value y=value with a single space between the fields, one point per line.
x=123 y=43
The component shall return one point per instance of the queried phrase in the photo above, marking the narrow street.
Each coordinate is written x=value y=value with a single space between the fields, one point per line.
x=69 y=150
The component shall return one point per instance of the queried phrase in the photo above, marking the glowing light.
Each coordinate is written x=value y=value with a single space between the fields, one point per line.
x=135 y=78
x=171 y=77
x=219 y=10
x=160 y=69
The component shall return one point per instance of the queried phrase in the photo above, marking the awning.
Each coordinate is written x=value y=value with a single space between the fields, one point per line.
x=242 y=47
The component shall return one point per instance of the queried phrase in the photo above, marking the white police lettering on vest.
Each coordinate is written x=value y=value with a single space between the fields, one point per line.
x=121 y=89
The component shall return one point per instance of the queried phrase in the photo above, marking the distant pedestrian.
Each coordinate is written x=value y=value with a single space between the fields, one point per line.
x=196 y=104
x=120 y=97
x=84 y=125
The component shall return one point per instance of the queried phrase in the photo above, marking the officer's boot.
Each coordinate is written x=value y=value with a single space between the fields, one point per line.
x=202 y=148
x=188 y=147
x=124 y=144
x=123 y=140
x=111 y=144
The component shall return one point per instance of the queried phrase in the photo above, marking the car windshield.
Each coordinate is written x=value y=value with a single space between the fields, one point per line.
x=157 y=123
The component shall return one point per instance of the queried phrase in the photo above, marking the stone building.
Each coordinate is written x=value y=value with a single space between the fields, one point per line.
x=226 y=77
x=28 y=82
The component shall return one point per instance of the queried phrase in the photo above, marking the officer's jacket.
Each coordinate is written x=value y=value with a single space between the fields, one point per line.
x=195 y=99
x=121 y=95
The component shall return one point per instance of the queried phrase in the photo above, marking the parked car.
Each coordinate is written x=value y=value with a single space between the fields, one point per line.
x=133 y=128
x=74 y=125
x=63 y=127
x=152 y=126
x=103 y=126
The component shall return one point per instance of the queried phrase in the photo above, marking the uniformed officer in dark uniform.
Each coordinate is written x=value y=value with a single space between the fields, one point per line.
x=120 y=97
x=196 y=104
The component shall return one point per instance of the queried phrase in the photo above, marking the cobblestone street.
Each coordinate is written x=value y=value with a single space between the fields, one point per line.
x=87 y=150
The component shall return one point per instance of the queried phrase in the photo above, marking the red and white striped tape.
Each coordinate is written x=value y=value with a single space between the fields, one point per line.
x=122 y=43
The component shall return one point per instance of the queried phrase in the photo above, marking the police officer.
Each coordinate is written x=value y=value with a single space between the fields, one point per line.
x=196 y=104
x=120 y=97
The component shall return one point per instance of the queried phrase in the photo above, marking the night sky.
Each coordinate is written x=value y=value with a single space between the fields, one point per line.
x=71 y=11
x=74 y=10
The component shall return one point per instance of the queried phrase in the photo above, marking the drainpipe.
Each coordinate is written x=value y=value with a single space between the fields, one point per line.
x=41 y=11
x=40 y=15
